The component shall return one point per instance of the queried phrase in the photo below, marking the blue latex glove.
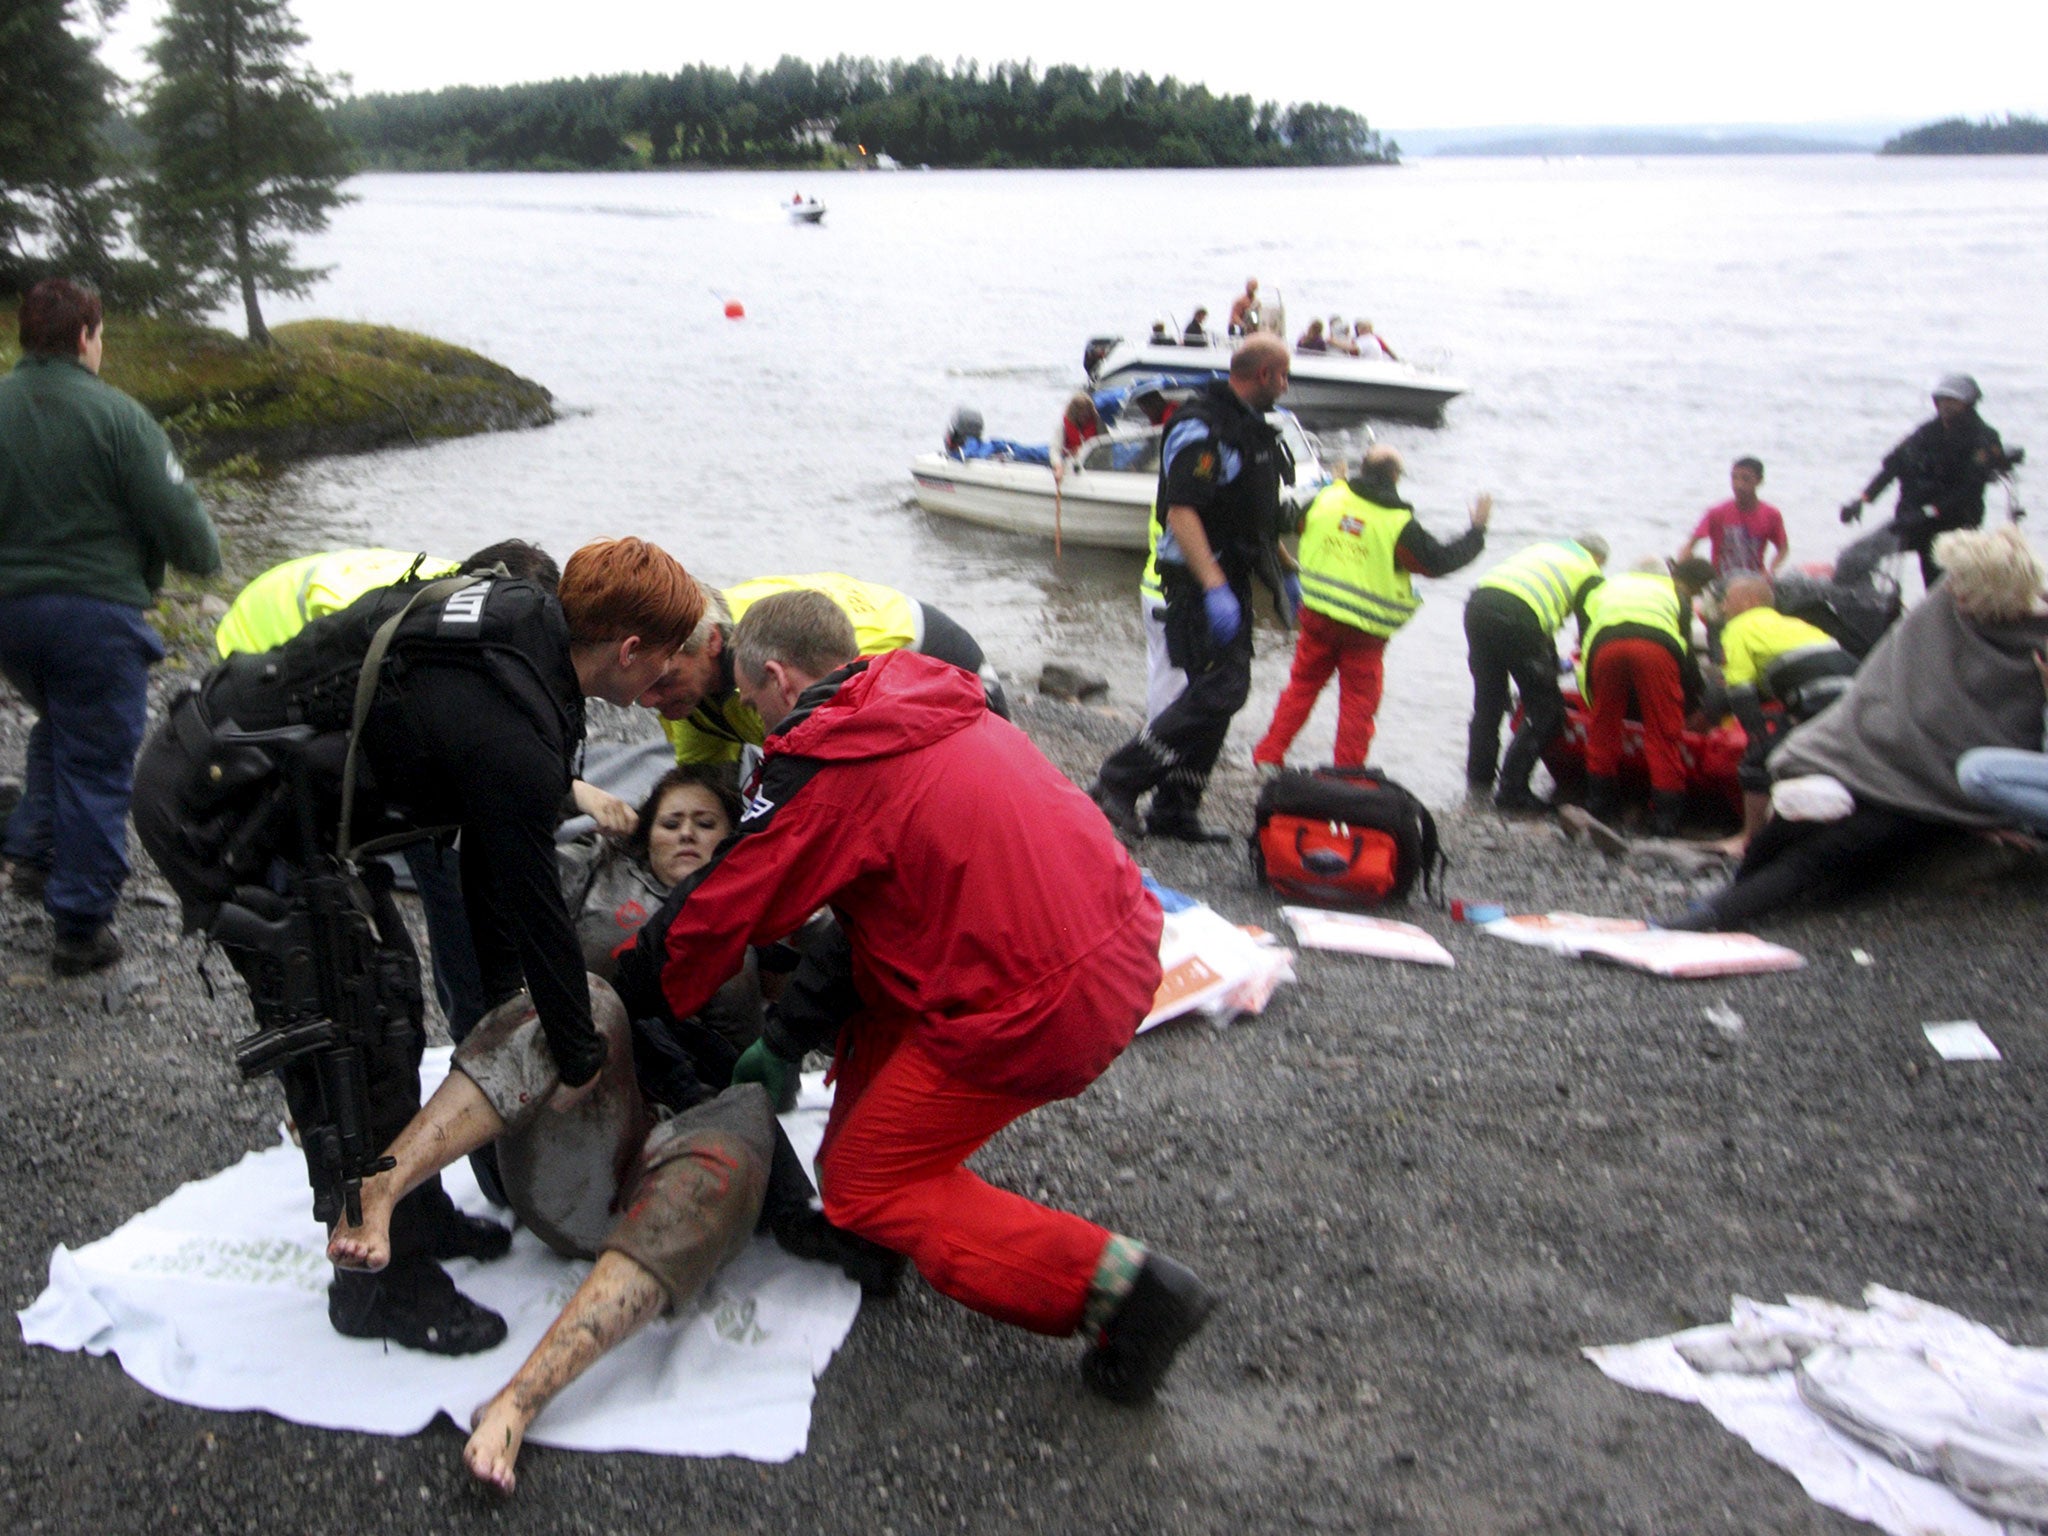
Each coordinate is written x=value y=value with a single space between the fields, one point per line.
x=1290 y=583
x=758 y=1064
x=1226 y=616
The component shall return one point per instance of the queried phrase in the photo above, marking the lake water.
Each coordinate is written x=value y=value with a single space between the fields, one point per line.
x=1626 y=329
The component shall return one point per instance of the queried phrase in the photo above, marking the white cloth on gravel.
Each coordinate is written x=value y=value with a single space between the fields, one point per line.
x=217 y=1297
x=1905 y=1415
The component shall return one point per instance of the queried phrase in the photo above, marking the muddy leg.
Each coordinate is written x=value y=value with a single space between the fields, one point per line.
x=608 y=1307
x=453 y=1123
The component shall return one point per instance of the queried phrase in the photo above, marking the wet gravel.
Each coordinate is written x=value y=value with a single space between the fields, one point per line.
x=1422 y=1192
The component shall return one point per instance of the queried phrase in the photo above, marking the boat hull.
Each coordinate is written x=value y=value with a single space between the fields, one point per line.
x=1323 y=388
x=1097 y=511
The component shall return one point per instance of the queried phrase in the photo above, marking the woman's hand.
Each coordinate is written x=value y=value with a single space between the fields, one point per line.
x=613 y=816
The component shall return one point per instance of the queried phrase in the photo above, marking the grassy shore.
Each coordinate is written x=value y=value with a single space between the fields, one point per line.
x=326 y=387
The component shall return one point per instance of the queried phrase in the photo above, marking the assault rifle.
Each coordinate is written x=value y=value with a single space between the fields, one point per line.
x=329 y=990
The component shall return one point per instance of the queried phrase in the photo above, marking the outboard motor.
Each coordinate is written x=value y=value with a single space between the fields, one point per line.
x=965 y=427
x=1097 y=349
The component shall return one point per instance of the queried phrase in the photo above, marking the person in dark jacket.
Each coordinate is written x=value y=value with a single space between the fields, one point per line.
x=1941 y=468
x=474 y=724
x=1218 y=510
x=93 y=506
x=1003 y=953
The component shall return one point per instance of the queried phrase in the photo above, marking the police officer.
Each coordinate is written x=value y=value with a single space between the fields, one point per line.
x=1360 y=548
x=1511 y=620
x=702 y=712
x=1942 y=467
x=1218 y=506
x=474 y=723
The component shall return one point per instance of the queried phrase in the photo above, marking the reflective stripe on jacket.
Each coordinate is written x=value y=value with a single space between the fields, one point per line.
x=1547 y=577
x=1348 y=569
x=286 y=598
x=1639 y=599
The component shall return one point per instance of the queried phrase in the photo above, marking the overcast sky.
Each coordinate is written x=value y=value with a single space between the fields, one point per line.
x=1425 y=64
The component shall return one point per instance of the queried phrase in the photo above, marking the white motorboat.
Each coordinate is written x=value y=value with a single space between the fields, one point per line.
x=1104 y=501
x=1328 y=387
x=805 y=210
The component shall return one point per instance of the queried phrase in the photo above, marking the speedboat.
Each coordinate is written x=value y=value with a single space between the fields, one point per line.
x=1104 y=501
x=805 y=210
x=1327 y=387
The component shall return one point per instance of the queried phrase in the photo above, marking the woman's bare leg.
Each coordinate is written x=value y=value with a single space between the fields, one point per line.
x=452 y=1124
x=612 y=1303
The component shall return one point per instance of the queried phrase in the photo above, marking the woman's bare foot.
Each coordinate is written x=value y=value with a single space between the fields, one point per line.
x=369 y=1245
x=498 y=1429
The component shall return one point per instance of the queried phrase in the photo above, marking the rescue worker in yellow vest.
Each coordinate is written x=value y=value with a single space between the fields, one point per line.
x=1771 y=656
x=1164 y=682
x=700 y=705
x=1360 y=547
x=1511 y=620
x=286 y=598
x=1638 y=648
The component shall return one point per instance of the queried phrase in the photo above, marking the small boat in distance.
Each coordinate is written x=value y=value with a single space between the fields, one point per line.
x=1328 y=387
x=805 y=210
x=1105 y=499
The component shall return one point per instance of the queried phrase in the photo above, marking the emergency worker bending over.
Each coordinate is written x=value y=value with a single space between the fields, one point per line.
x=456 y=704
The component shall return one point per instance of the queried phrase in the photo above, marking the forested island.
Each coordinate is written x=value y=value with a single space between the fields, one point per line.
x=846 y=111
x=1958 y=136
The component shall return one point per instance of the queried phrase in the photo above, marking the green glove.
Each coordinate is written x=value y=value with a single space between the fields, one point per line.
x=758 y=1064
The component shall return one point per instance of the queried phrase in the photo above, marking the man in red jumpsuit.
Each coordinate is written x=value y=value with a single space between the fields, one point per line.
x=1003 y=950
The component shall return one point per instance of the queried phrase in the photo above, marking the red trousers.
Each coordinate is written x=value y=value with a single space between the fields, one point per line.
x=890 y=1169
x=1324 y=646
x=1647 y=672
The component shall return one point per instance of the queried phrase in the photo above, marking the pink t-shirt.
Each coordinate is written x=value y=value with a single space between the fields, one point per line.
x=1738 y=539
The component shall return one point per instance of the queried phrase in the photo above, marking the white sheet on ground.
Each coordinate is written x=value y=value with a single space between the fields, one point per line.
x=1208 y=963
x=217 y=1297
x=1352 y=933
x=1935 y=1389
x=1633 y=943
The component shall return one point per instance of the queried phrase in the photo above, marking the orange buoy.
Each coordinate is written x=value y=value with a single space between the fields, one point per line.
x=735 y=310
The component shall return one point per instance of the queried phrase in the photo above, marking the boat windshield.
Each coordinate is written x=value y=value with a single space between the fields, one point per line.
x=1134 y=453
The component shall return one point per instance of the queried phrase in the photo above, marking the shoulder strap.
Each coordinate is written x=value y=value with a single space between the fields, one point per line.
x=366 y=693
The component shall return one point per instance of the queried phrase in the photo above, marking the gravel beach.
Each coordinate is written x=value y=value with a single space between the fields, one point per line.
x=1422 y=1192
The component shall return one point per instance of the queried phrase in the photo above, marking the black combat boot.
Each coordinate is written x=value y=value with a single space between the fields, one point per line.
x=1603 y=796
x=412 y=1303
x=1165 y=1308
x=1666 y=807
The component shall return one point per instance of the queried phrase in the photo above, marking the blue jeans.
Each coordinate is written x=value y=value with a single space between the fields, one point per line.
x=82 y=664
x=2008 y=779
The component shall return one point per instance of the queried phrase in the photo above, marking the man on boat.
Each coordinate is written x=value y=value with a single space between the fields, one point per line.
x=1218 y=510
x=1638 y=646
x=1361 y=547
x=1197 y=332
x=1942 y=468
x=708 y=720
x=1771 y=656
x=885 y=780
x=1244 y=309
x=1511 y=622
x=1741 y=531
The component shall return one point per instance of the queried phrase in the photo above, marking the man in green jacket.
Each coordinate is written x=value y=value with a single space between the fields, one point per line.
x=93 y=506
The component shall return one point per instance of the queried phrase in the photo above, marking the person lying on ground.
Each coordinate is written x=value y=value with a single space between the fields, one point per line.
x=1771 y=657
x=884 y=780
x=657 y=1175
x=1960 y=670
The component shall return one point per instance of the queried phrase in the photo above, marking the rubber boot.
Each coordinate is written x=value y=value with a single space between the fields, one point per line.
x=1603 y=796
x=1666 y=807
x=1165 y=1308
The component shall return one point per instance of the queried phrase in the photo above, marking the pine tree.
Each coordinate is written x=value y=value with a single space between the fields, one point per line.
x=242 y=155
x=53 y=99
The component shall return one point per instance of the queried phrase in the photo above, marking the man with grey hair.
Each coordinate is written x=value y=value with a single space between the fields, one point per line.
x=1003 y=952
x=1942 y=468
x=1511 y=621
